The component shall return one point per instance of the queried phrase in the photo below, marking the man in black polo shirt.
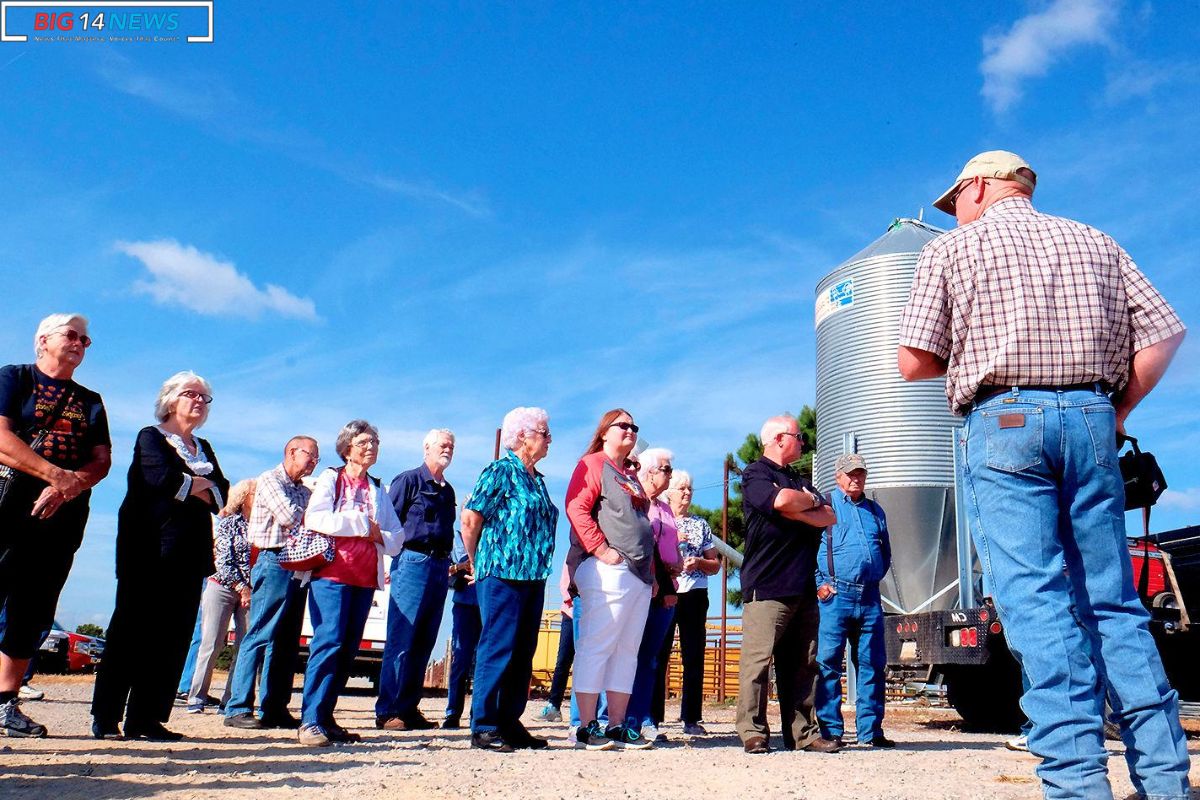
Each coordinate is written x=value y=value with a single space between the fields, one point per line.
x=784 y=519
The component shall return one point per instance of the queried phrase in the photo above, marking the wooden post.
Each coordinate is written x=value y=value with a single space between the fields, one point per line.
x=496 y=452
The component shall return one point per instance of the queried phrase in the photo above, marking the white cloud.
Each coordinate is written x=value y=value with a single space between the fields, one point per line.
x=1181 y=499
x=182 y=275
x=1032 y=45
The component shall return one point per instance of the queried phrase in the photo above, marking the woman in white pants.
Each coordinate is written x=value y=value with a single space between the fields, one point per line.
x=611 y=560
x=226 y=594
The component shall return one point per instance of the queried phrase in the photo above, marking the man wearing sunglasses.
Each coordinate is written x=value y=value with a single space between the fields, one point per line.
x=784 y=517
x=55 y=447
x=1049 y=335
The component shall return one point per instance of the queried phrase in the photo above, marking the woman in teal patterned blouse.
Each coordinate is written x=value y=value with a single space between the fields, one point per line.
x=508 y=530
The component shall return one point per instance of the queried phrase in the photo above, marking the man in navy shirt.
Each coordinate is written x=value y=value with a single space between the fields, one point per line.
x=425 y=504
x=784 y=517
x=848 y=590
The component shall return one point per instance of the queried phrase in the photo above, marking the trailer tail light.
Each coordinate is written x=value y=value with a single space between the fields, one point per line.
x=995 y=627
x=983 y=615
x=971 y=637
x=956 y=637
x=899 y=628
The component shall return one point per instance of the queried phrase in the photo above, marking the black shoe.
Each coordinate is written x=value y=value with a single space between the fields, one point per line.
x=417 y=722
x=522 y=739
x=881 y=741
x=490 y=740
x=247 y=721
x=336 y=733
x=283 y=720
x=152 y=731
x=591 y=737
x=451 y=723
x=105 y=730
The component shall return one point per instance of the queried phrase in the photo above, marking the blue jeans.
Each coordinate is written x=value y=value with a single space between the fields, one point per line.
x=658 y=622
x=464 y=637
x=189 y=666
x=415 y=604
x=1043 y=487
x=512 y=613
x=853 y=615
x=338 y=613
x=272 y=639
x=562 y=663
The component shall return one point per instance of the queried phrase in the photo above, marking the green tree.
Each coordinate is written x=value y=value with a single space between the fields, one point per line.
x=751 y=450
x=88 y=629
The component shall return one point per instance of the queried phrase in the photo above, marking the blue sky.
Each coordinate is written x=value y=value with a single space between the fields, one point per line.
x=426 y=214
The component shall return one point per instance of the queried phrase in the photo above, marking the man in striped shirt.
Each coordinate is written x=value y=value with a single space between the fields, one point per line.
x=1049 y=336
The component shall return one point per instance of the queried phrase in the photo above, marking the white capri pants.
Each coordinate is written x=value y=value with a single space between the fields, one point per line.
x=611 y=612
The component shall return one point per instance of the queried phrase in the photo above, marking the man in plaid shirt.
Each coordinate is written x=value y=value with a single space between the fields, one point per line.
x=1049 y=336
x=272 y=638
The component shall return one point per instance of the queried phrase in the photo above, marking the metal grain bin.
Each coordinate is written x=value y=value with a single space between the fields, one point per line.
x=903 y=430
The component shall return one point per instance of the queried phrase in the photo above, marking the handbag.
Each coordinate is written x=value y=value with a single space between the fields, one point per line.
x=9 y=477
x=1144 y=480
x=306 y=549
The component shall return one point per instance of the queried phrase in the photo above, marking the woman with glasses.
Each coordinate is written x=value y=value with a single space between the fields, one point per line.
x=655 y=476
x=612 y=563
x=508 y=532
x=349 y=505
x=164 y=553
x=54 y=448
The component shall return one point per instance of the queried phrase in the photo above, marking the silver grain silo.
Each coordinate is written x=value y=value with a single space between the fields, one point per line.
x=903 y=430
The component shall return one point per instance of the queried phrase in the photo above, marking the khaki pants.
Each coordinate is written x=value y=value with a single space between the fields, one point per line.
x=787 y=630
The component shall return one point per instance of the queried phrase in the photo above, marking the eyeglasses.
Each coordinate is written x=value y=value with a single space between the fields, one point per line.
x=192 y=394
x=667 y=470
x=625 y=426
x=543 y=431
x=73 y=335
x=308 y=453
x=799 y=435
x=962 y=188
x=365 y=443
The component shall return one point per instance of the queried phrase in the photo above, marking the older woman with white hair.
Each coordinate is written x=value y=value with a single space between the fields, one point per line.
x=164 y=552
x=54 y=447
x=508 y=531
x=226 y=594
x=698 y=552
x=349 y=505
x=654 y=473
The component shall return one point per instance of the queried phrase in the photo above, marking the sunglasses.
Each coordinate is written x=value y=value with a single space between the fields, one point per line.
x=667 y=470
x=73 y=335
x=191 y=394
x=625 y=426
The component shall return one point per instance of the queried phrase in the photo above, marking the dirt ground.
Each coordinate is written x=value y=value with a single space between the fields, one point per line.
x=934 y=759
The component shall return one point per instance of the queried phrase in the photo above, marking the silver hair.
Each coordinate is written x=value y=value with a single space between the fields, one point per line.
x=237 y=496
x=52 y=323
x=652 y=458
x=518 y=422
x=434 y=434
x=776 y=425
x=346 y=435
x=168 y=395
x=679 y=479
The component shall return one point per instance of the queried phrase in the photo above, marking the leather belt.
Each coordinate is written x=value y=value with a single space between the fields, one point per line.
x=428 y=549
x=988 y=392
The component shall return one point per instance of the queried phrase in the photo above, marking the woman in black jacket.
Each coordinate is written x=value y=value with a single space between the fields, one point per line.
x=164 y=553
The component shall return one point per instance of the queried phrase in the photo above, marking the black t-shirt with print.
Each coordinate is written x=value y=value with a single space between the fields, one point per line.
x=28 y=397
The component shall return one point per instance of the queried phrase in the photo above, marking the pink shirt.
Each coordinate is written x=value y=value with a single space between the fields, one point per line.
x=357 y=561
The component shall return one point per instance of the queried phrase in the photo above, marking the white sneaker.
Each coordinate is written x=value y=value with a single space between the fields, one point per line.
x=27 y=692
x=1018 y=743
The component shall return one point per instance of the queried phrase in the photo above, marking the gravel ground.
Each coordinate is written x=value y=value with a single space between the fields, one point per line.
x=934 y=759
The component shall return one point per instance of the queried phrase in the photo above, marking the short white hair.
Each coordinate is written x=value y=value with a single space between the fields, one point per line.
x=168 y=395
x=775 y=426
x=652 y=458
x=52 y=323
x=519 y=421
x=434 y=434
x=679 y=479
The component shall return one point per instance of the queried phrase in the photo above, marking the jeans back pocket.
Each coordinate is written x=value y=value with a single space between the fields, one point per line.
x=1014 y=438
x=1101 y=421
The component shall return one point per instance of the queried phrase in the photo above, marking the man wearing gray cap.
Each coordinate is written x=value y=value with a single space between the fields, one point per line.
x=854 y=555
x=1049 y=336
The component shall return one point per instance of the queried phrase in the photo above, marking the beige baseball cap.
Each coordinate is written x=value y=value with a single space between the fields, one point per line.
x=848 y=462
x=992 y=164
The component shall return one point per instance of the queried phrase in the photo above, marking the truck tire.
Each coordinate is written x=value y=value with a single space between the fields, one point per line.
x=987 y=696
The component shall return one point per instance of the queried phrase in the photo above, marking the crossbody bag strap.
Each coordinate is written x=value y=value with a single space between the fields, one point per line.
x=829 y=551
x=1144 y=573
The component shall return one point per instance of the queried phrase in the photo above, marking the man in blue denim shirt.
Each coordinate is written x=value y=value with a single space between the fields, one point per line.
x=1049 y=336
x=850 y=607
x=425 y=504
